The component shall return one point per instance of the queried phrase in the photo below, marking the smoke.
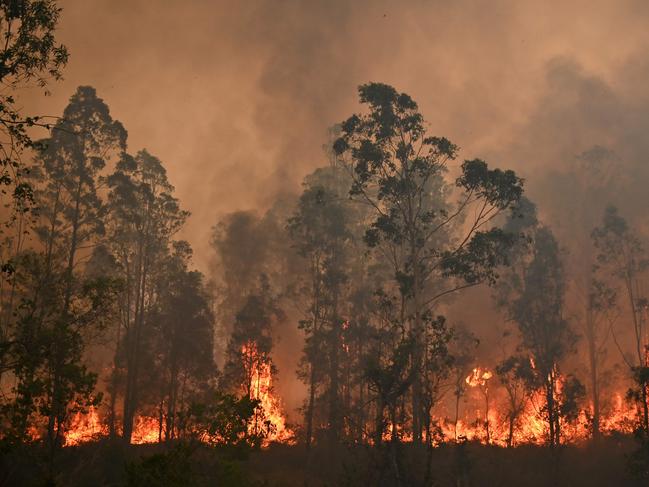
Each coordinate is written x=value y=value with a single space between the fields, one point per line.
x=236 y=97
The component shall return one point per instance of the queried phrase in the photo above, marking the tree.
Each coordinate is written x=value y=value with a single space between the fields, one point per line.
x=622 y=256
x=61 y=307
x=515 y=374
x=237 y=239
x=81 y=145
x=249 y=366
x=251 y=342
x=247 y=245
x=600 y=316
x=537 y=309
x=144 y=217
x=52 y=382
x=398 y=170
x=183 y=324
x=463 y=348
x=585 y=184
x=319 y=229
x=29 y=53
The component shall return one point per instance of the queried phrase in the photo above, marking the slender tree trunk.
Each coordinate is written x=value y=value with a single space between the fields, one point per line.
x=486 y=421
x=113 y=386
x=457 y=411
x=58 y=403
x=510 y=433
x=378 y=421
x=549 y=396
x=132 y=360
x=310 y=407
x=171 y=400
x=334 y=372
x=594 y=381
x=334 y=398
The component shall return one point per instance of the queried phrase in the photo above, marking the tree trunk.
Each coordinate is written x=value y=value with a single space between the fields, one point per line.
x=549 y=396
x=592 y=360
x=310 y=407
x=510 y=434
x=378 y=421
x=457 y=411
x=58 y=403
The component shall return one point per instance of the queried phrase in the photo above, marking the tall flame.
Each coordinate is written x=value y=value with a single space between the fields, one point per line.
x=261 y=381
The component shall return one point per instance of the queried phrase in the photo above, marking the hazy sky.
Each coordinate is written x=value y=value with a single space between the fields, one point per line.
x=235 y=97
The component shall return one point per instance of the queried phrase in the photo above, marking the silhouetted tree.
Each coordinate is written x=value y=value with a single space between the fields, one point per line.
x=320 y=232
x=398 y=170
x=61 y=306
x=515 y=374
x=536 y=306
x=183 y=324
x=29 y=54
x=144 y=217
x=622 y=256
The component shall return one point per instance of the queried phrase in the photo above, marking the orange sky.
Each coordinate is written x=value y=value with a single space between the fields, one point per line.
x=236 y=96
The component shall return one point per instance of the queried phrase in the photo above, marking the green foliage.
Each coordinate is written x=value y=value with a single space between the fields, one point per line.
x=169 y=469
x=29 y=53
x=572 y=393
x=226 y=419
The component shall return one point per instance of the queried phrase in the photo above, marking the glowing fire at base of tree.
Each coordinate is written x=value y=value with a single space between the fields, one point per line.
x=269 y=420
x=86 y=427
x=270 y=414
x=530 y=426
x=489 y=423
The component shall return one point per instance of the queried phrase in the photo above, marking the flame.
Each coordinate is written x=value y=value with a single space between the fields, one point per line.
x=145 y=430
x=482 y=408
x=530 y=426
x=478 y=377
x=262 y=390
x=345 y=346
x=84 y=427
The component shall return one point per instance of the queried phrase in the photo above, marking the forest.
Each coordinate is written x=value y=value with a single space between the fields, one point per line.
x=406 y=315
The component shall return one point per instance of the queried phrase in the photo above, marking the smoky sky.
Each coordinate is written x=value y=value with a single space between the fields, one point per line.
x=236 y=97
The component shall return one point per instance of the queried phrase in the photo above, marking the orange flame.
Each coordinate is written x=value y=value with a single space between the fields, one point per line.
x=145 y=430
x=617 y=415
x=84 y=427
x=262 y=390
x=478 y=377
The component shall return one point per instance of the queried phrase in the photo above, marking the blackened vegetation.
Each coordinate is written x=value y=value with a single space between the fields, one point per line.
x=103 y=318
